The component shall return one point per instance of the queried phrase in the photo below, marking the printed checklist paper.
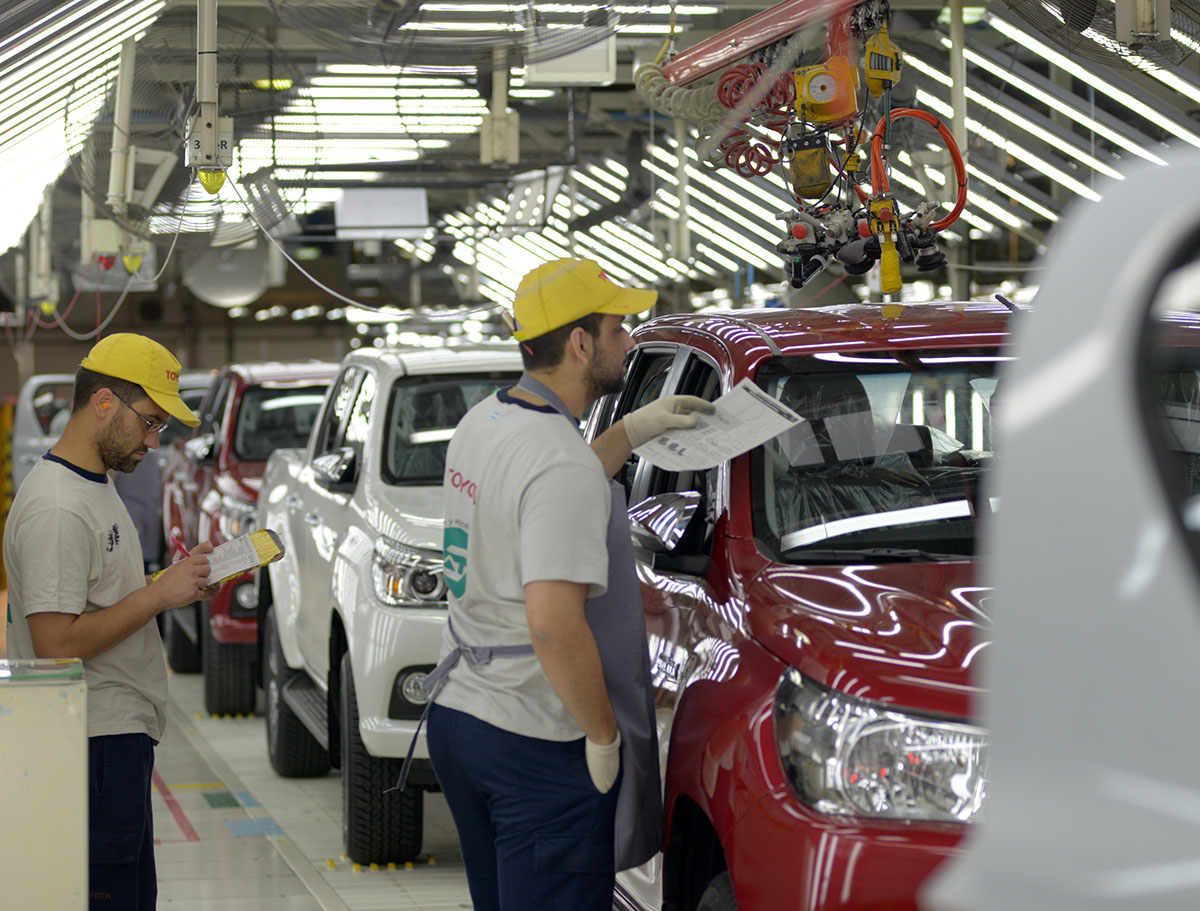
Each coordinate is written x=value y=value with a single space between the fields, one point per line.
x=250 y=551
x=243 y=554
x=745 y=417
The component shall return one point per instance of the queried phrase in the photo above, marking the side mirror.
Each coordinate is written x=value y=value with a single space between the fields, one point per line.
x=659 y=523
x=200 y=449
x=334 y=470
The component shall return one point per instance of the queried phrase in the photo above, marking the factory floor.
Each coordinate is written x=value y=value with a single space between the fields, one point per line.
x=232 y=835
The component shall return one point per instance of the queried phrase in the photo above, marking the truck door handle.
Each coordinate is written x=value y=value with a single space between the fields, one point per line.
x=292 y=502
x=311 y=518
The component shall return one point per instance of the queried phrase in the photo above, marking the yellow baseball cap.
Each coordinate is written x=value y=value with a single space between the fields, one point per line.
x=564 y=290
x=141 y=360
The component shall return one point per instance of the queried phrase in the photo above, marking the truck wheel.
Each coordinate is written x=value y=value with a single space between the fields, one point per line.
x=228 y=674
x=293 y=751
x=376 y=827
x=183 y=655
x=719 y=894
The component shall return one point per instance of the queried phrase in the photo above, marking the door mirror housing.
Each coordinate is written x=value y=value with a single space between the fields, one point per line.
x=335 y=470
x=660 y=522
x=201 y=449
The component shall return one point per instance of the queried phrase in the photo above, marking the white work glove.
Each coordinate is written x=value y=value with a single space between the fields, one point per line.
x=603 y=762
x=668 y=413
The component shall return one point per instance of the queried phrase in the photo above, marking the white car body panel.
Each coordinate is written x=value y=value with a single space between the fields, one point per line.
x=1095 y=667
x=330 y=539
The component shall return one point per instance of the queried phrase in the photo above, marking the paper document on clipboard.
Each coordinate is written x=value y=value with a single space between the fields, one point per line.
x=240 y=555
x=745 y=417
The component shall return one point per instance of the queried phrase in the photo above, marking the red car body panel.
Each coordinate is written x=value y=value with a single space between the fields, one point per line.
x=903 y=634
x=193 y=493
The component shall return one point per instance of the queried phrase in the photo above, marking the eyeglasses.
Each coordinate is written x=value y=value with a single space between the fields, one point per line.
x=151 y=426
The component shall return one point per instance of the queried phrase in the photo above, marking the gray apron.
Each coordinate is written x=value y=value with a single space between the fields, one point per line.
x=618 y=624
x=617 y=621
x=619 y=627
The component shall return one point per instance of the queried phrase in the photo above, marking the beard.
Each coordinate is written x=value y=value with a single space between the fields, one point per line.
x=601 y=380
x=116 y=453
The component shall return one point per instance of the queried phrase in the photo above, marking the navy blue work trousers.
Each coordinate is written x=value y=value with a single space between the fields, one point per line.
x=534 y=831
x=121 y=874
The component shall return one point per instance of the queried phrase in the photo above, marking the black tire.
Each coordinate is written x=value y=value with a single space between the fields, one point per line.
x=376 y=827
x=228 y=674
x=719 y=894
x=293 y=751
x=183 y=655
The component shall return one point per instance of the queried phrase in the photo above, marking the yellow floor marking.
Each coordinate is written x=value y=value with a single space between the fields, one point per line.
x=203 y=785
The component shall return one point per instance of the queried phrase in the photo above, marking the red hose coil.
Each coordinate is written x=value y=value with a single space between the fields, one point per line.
x=879 y=181
x=744 y=155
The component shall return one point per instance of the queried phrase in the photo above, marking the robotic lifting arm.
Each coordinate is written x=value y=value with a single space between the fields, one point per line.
x=818 y=112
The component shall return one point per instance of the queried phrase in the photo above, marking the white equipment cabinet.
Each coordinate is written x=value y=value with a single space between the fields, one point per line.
x=43 y=785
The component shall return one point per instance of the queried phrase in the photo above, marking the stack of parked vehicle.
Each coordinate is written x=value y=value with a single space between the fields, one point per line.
x=210 y=492
x=813 y=606
x=358 y=603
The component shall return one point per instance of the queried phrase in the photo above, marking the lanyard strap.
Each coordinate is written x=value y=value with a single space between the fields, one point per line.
x=542 y=391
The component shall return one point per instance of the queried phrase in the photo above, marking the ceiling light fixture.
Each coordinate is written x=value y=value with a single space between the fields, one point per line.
x=1006 y=28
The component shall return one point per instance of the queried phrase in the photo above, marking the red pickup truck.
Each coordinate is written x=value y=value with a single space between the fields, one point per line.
x=210 y=493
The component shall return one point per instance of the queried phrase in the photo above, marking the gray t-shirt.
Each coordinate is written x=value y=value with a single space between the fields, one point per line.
x=526 y=500
x=70 y=546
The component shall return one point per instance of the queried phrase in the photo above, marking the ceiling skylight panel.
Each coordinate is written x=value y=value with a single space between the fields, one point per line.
x=598 y=172
x=614 y=265
x=595 y=186
x=1013 y=75
x=717 y=257
x=618 y=237
x=102 y=16
x=765 y=234
x=543 y=246
x=1067 y=143
x=1091 y=78
x=698 y=184
x=19 y=37
x=641 y=242
x=749 y=195
x=1018 y=151
x=701 y=224
x=1012 y=193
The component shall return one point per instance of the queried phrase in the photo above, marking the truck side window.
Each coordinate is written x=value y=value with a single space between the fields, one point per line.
x=644 y=382
x=358 y=421
x=333 y=422
x=699 y=377
x=214 y=406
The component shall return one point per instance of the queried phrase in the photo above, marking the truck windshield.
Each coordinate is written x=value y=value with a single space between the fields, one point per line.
x=275 y=417
x=889 y=463
x=422 y=415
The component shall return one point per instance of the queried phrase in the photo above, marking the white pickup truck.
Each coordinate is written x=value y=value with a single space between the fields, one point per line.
x=357 y=604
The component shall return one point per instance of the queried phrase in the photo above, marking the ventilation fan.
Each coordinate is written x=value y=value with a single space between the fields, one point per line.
x=395 y=32
x=1141 y=33
x=163 y=198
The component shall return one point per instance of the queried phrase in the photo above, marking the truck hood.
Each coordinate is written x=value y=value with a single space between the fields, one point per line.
x=410 y=515
x=908 y=634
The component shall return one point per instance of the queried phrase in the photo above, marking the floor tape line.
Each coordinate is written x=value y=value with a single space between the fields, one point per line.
x=312 y=879
x=181 y=820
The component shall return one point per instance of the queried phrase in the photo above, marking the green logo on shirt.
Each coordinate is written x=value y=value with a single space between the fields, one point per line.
x=454 y=545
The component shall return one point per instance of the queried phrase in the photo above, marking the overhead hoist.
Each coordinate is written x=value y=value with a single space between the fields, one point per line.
x=837 y=173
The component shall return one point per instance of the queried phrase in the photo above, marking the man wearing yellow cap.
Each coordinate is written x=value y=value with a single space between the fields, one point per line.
x=77 y=589
x=542 y=728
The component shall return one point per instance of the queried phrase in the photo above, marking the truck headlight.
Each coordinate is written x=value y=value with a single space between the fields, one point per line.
x=407 y=576
x=236 y=518
x=848 y=756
